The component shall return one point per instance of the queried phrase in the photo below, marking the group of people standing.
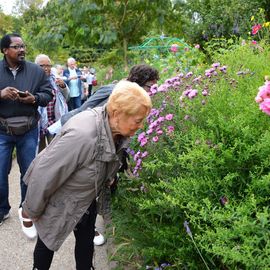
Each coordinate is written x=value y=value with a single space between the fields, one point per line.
x=60 y=186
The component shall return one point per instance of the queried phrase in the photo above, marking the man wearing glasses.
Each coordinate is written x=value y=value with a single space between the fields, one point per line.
x=23 y=87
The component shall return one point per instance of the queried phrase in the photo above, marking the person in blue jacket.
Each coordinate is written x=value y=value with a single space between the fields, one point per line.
x=73 y=78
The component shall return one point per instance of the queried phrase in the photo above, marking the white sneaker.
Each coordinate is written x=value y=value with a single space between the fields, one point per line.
x=3 y=218
x=98 y=239
x=30 y=232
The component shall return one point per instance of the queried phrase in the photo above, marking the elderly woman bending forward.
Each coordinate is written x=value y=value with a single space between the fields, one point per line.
x=65 y=179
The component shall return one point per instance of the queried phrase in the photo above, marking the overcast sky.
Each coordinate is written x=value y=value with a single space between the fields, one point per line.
x=7 y=5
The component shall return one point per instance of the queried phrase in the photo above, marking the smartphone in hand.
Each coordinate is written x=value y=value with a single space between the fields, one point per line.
x=22 y=94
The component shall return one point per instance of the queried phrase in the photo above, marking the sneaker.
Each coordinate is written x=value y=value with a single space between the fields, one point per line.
x=30 y=230
x=3 y=217
x=98 y=239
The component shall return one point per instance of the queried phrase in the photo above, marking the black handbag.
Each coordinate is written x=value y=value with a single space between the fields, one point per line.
x=18 y=125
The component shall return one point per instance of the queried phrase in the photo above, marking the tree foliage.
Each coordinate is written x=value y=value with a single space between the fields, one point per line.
x=62 y=26
x=213 y=18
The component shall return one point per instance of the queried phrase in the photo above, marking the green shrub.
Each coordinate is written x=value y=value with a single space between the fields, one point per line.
x=212 y=170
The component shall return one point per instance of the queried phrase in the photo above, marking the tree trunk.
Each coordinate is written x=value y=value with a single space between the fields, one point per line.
x=125 y=54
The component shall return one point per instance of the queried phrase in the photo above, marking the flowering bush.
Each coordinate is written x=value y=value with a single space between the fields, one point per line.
x=263 y=97
x=202 y=160
x=176 y=101
x=260 y=28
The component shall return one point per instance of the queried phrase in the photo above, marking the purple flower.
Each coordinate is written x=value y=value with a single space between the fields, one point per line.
x=197 y=79
x=223 y=200
x=169 y=81
x=193 y=93
x=208 y=74
x=155 y=139
x=204 y=92
x=160 y=119
x=223 y=69
x=181 y=75
x=216 y=65
x=131 y=152
x=163 y=88
x=153 y=125
x=175 y=84
x=137 y=155
x=189 y=74
x=139 y=162
x=149 y=131
x=187 y=229
x=144 y=154
x=153 y=91
x=186 y=92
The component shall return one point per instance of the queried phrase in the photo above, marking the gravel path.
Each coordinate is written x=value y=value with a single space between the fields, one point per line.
x=16 y=250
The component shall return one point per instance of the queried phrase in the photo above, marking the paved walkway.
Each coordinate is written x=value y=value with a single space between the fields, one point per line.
x=16 y=250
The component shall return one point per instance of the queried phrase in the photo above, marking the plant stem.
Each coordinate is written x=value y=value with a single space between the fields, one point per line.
x=199 y=253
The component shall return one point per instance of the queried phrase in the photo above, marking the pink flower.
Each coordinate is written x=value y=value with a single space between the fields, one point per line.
x=155 y=139
x=197 y=46
x=254 y=42
x=160 y=119
x=193 y=93
x=159 y=132
x=169 y=116
x=144 y=141
x=144 y=154
x=137 y=156
x=264 y=92
x=149 y=131
x=141 y=136
x=174 y=48
x=255 y=29
x=163 y=88
x=170 y=129
x=265 y=106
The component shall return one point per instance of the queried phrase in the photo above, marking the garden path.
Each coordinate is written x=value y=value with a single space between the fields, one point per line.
x=16 y=250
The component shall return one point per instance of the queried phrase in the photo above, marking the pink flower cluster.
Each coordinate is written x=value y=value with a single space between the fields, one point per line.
x=255 y=29
x=155 y=129
x=163 y=120
x=263 y=97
